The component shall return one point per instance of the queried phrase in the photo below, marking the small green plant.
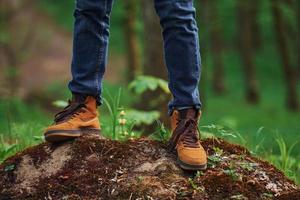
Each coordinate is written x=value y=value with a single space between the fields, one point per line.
x=285 y=162
x=121 y=126
x=161 y=133
x=285 y=153
x=233 y=173
x=6 y=150
x=218 y=151
x=122 y=123
x=140 y=179
x=267 y=196
x=238 y=197
x=183 y=193
x=248 y=166
x=215 y=158
x=125 y=127
x=258 y=141
x=113 y=106
x=199 y=174
x=10 y=167
x=194 y=185
x=225 y=132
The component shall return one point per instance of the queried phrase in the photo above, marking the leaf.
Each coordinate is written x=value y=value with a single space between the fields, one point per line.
x=60 y=103
x=164 y=86
x=38 y=138
x=142 y=117
x=143 y=83
x=10 y=167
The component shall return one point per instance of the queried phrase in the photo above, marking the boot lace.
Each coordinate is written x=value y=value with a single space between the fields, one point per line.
x=70 y=111
x=190 y=136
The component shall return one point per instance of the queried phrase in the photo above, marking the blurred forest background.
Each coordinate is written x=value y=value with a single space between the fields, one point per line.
x=250 y=73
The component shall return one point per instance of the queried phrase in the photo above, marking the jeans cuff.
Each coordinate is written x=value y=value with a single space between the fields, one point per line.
x=170 y=112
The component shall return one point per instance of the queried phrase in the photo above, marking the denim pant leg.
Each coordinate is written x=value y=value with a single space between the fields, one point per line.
x=181 y=48
x=90 y=45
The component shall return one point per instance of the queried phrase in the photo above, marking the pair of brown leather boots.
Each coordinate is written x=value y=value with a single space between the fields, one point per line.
x=81 y=116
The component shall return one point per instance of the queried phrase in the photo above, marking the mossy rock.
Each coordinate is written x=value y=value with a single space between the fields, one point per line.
x=94 y=168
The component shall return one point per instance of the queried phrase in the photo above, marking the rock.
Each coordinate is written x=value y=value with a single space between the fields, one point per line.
x=96 y=168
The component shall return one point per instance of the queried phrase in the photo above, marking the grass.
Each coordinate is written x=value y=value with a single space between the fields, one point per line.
x=21 y=126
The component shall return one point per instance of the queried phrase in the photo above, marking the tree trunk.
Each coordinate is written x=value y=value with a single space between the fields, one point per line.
x=255 y=29
x=154 y=64
x=246 y=49
x=290 y=75
x=131 y=38
x=216 y=41
x=297 y=9
x=8 y=48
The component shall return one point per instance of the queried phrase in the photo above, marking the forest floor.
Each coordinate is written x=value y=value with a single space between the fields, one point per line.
x=95 y=168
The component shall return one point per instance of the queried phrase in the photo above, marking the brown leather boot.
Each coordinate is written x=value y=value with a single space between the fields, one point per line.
x=79 y=117
x=185 y=140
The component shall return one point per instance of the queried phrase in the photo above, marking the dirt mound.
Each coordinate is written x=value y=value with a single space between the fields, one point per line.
x=93 y=168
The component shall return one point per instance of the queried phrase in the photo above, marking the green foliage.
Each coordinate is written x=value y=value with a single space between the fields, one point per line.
x=6 y=149
x=161 y=133
x=258 y=141
x=199 y=173
x=142 y=117
x=60 y=103
x=285 y=161
x=285 y=153
x=233 y=174
x=122 y=121
x=248 y=165
x=218 y=151
x=267 y=196
x=224 y=132
x=143 y=83
x=194 y=185
x=9 y=168
x=215 y=158
x=238 y=197
x=113 y=106
x=19 y=125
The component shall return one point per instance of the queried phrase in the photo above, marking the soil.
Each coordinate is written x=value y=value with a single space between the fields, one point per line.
x=94 y=168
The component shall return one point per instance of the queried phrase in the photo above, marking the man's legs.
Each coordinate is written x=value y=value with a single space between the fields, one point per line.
x=181 y=48
x=182 y=56
x=91 y=35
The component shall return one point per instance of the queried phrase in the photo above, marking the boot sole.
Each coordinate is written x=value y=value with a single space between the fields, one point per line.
x=190 y=167
x=66 y=135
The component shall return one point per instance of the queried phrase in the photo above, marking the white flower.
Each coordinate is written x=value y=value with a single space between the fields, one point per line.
x=122 y=121
x=122 y=113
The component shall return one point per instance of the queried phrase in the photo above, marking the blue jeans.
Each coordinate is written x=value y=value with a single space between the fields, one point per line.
x=181 y=49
